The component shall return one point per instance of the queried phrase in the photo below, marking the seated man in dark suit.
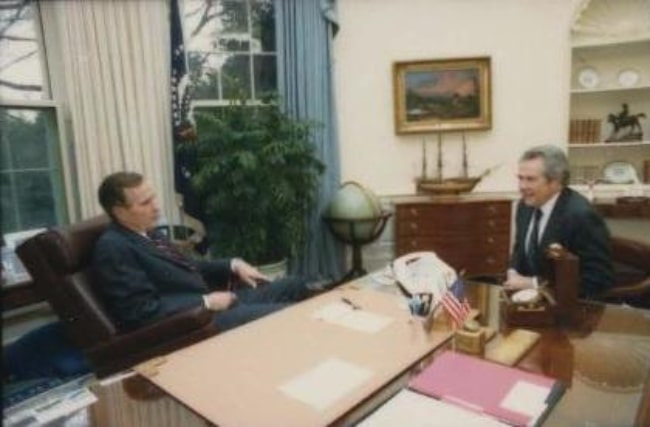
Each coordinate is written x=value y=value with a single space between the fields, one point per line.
x=143 y=279
x=550 y=212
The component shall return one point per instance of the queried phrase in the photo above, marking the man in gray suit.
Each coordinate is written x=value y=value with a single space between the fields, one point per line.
x=550 y=212
x=143 y=279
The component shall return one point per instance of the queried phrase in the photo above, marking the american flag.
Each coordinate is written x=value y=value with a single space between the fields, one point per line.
x=455 y=303
x=182 y=128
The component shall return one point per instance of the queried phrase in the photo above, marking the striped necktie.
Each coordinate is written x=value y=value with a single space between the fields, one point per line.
x=171 y=252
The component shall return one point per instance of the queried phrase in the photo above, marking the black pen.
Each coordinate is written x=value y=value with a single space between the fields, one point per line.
x=351 y=304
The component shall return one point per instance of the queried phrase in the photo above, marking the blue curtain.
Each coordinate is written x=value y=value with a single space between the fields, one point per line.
x=305 y=29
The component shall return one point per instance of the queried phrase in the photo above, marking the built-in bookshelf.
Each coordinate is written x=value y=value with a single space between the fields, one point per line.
x=609 y=119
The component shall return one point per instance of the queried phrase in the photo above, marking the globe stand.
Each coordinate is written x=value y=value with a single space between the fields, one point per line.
x=357 y=232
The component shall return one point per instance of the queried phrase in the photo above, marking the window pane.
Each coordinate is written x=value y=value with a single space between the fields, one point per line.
x=21 y=71
x=236 y=77
x=9 y=220
x=204 y=74
x=4 y=143
x=26 y=130
x=221 y=34
x=265 y=74
x=32 y=182
x=233 y=17
x=36 y=202
x=200 y=24
x=263 y=26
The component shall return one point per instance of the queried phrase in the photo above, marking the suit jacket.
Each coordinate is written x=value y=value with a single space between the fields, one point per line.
x=140 y=283
x=574 y=224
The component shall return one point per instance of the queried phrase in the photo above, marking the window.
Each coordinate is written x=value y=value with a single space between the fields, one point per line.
x=32 y=193
x=31 y=175
x=22 y=60
x=230 y=49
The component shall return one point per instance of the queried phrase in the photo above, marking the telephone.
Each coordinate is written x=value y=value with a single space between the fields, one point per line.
x=422 y=273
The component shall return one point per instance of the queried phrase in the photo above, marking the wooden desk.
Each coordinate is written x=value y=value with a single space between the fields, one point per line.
x=604 y=360
x=237 y=378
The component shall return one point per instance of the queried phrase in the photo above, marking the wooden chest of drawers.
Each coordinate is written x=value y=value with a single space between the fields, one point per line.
x=473 y=235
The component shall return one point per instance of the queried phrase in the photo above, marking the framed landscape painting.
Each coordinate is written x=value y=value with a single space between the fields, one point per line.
x=442 y=95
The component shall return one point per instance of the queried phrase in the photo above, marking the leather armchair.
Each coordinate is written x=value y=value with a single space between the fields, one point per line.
x=59 y=263
x=631 y=259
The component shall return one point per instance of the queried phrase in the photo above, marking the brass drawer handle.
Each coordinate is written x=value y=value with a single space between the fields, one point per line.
x=490 y=260
x=490 y=240
x=414 y=212
x=414 y=226
x=492 y=223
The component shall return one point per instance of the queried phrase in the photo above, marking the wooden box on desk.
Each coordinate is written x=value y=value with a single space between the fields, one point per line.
x=471 y=342
x=557 y=301
x=538 y=314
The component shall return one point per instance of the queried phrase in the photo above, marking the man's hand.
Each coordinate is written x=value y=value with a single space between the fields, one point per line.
x=247 y=273
x=515 y=281
x=218 y=301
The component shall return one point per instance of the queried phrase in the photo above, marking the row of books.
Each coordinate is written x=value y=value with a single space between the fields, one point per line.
x=584 y=131
x=463 y=390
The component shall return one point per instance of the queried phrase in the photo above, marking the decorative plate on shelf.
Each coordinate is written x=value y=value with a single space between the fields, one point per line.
x=619 y=172
x=628 y=77
x=588 y=78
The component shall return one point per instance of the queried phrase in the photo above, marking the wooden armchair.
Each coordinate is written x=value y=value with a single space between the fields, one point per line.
x=631 y=260
x=59 y=263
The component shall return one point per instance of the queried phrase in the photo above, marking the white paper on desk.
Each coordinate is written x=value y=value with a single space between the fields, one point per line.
x=324 y=384
x=416 y=410
x=361 y=320
x=526 y=398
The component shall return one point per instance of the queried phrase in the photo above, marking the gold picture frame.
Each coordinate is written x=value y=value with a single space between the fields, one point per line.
x=442 y=95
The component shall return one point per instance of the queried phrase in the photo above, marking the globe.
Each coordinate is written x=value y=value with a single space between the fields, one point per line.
x=354 y=213
x=355 y=217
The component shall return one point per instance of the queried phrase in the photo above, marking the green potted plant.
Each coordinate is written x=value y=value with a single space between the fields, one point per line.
x=257 y=178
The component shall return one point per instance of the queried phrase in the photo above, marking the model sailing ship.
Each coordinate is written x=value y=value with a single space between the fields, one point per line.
x=440 y=185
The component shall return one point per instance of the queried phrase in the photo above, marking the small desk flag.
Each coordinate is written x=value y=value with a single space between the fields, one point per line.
x=455 y=303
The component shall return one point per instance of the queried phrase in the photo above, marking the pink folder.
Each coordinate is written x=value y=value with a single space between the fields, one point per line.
x=480 y=385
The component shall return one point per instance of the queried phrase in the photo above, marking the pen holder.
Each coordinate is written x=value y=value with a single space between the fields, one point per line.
x=471 y=342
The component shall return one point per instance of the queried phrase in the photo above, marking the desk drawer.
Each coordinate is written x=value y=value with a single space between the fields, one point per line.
x=485 y=245
x=425 y=219
x=444 y=211
x=466 y=234
x=453 y=226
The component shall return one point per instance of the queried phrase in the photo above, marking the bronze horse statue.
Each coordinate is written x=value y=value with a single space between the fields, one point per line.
x=625 y=121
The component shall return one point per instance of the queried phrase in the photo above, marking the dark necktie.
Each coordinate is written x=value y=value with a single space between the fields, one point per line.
x=171 y=252
x=533 y=242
